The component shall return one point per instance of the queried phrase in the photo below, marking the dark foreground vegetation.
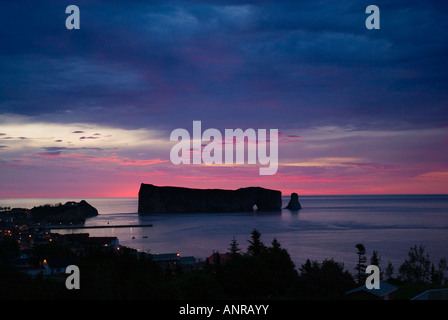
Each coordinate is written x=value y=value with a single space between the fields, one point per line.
x=263 y=272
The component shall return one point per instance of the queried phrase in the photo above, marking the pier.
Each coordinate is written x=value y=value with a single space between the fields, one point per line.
x=108 y=226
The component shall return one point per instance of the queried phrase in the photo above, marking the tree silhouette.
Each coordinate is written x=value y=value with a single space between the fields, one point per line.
x=256 y=246
x=326 y=280
x=416 y=269
x=264 y=272
x=389 y=270
x=361 y=266
x=375 y=259
x=275 y=245
x=234 y=249
x=439 y=277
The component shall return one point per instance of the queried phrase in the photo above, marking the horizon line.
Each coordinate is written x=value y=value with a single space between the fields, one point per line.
x=283 y=195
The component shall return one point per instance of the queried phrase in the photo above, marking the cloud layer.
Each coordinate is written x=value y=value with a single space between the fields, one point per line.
x=359 y=111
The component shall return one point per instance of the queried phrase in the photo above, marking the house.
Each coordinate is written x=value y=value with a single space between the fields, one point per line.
x=72 y=238
x=83 y=240
x=173 y=260
x=434 y=294
x=166 y=260
x=109 y=242
x=219 y=258
x=31 y=270
x=48 y=267
x=166 y=257
x=187 y=261
x=55 y=266
x=362 y=293
x=71 y=204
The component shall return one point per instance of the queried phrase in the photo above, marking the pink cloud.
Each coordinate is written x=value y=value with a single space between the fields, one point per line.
x=123 y=162
x=141 y=162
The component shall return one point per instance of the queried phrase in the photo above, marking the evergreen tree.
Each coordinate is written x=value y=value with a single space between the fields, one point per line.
x=234 y=249
x=443 y=268
x=375 y=259
x=389 y=270
x=276 y=245
x=326 y=280
x=361 y=266
x=434 y=275
x=438 y=275
x=416 y=269
x=262 y=273
x=256 y=246
x=216 y=258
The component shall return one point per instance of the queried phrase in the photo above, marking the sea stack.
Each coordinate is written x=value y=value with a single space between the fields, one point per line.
x=294 y=203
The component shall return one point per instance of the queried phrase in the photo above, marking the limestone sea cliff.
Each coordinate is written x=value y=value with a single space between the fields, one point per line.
x=167 y=199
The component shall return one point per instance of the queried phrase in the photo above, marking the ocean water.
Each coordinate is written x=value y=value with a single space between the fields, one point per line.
x=326 y=227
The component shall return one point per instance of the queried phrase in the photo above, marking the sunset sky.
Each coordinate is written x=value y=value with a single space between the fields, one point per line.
x=89 y=112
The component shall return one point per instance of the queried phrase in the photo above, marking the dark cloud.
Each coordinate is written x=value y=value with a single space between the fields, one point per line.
x=148 y=64
x=54 y=149
x=60 y=149
x=50 y=154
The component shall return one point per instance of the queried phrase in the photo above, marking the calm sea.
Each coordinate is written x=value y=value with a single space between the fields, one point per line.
x=326 y=227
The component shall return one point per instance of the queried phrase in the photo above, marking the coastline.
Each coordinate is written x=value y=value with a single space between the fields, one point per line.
x=327 y=226
x=97 y=226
